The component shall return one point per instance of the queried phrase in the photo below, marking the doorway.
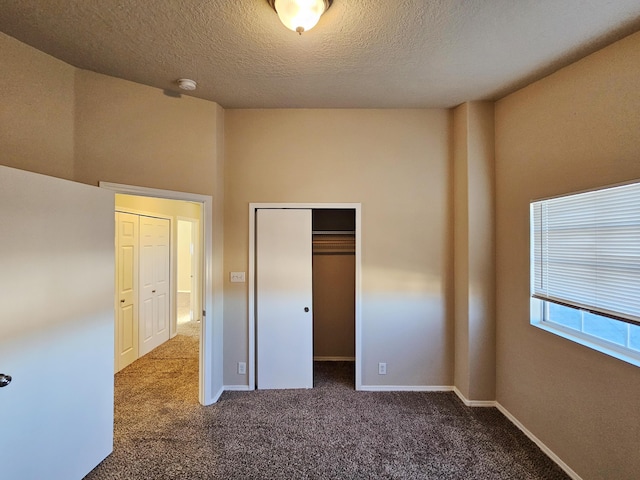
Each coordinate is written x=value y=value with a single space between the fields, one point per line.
x=188 y=273
x=333 y=248
x=253 y=290
x=207 y=368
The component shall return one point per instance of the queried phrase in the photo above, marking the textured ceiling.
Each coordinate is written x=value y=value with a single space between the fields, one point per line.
x=362 y=53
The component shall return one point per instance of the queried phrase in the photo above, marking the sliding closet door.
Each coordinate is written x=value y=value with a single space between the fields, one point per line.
x=284 y=299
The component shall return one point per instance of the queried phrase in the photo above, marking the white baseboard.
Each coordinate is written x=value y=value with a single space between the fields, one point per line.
x=474 y=403
x=237 y=388
x=334 y=359
x=539 y=443
x=406 y=388
x=217 y=396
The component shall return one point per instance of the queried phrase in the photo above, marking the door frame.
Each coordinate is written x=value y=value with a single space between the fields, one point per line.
x=206 y=367
x=252 y=280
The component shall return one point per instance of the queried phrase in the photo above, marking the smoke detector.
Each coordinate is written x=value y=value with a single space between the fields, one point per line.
x=187 y=84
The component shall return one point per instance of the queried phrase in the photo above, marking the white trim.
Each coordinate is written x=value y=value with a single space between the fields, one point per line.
x=474 y=403
x=334 y=359
x=205 y=395
x=251 y=364
x=237 y=388
x=406 y=388
x=358 y=303
x=598 y=344
x=539 y=443
x=218 y=394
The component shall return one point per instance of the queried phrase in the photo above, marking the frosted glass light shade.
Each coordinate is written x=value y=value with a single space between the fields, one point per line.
x=299 y=15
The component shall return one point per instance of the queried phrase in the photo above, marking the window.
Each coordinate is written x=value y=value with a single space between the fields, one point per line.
x=585 y=269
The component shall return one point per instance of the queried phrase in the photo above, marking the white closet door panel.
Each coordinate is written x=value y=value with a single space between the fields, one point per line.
x=161 y=327
x=284 y=291
x=154 y=284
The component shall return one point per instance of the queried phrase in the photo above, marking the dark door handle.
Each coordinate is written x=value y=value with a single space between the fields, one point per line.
x=306 y=309
x=4 y=380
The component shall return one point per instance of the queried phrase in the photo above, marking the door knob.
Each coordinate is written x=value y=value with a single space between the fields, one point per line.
x=4 y=380
x=122 y=301
x=153 y=291
x=306 y=309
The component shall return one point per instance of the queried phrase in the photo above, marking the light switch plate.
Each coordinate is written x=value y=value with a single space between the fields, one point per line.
x=237 y=277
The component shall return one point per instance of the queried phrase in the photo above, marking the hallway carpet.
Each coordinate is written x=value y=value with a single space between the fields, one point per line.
x=329 y=432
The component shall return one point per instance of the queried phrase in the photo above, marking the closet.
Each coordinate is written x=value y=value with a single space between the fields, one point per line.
x=334 y=284
x=305 y=292
x=142 y=286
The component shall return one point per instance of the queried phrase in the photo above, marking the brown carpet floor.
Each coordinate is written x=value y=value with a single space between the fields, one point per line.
x=329 y=432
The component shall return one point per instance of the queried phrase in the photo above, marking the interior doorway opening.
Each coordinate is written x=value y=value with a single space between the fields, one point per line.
x=334 y=271
x=206 y=395
x=188 y=272
x=158 y=266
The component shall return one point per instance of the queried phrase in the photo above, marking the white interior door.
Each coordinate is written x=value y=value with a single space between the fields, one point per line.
x=126 y=289
x=154 y=283
x=284 y=299
x=56 y=326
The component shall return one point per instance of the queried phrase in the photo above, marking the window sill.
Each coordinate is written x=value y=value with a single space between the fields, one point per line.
x=601 y=346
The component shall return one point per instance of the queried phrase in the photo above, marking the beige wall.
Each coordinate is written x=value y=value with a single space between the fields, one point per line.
x=462 y=372
x=134 y=134
x=36 y=110
x=396 y=163
x=577 y=129
x=334 y=306
x=474 y=260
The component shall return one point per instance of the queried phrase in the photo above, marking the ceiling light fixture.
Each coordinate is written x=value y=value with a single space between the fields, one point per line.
x=300 y=15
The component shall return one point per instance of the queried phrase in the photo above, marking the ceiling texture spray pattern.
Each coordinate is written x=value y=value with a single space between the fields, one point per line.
x=362 y=53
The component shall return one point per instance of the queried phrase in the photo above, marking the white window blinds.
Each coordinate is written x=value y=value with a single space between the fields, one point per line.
x=586 y=251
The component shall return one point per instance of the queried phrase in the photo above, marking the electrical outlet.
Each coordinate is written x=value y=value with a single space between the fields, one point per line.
x=242 y=368
x=382 y=368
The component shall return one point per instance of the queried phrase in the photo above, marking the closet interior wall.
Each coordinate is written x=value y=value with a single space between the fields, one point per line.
x=334 y=284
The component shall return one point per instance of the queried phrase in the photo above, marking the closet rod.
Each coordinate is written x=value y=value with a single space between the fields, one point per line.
x=333 y=232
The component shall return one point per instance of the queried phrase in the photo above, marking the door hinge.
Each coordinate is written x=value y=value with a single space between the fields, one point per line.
x=204 y=313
